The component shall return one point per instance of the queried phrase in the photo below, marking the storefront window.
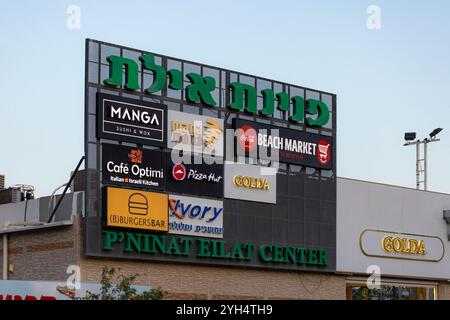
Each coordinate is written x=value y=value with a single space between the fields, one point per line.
x=391 y=292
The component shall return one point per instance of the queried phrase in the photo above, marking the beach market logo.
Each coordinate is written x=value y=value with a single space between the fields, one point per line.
x=247 y=138
x=200 y=90
x=323 y=152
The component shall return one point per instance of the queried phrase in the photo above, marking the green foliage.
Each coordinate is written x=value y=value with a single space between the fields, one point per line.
x=119 y=287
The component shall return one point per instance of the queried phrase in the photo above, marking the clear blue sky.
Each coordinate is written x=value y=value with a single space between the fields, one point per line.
x=388 y=81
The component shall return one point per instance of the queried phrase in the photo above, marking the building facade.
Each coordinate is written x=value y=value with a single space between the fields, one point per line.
x=215 y=184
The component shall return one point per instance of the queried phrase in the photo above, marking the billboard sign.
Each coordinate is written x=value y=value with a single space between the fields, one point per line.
x=195 y=133
x=134 y=167
x=130 y=120
x=195 y=177
x=268 y=218
x=250 y=182
x=283 y=145
x=136 y=209
x=195 y=216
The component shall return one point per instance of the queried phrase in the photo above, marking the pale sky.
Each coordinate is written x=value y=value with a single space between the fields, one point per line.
x=387 y=81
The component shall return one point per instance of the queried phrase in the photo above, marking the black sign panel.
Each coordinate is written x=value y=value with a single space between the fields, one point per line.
x=131 y=120
x=134 y=167
x=195 y=177
x=283 y=145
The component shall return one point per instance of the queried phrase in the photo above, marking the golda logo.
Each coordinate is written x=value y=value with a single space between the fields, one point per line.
x=181 y=210
x=323 y=153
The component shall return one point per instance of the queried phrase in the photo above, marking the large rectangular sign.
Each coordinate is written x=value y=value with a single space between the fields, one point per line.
x=136 y=209
x=282 y=144
x=250 y=182
x=194 y=176
x=271 y=221
x=195 y=133
x=195 y=216
x=129 y=166
x=130 y=120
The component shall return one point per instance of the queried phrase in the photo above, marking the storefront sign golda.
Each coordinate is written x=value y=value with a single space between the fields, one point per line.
x=314 y=113
x=250 y=182
x=396 y=245
x=403 y=245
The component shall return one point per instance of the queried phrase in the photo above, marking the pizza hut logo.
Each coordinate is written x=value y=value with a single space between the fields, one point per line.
x=179 y=172
x=135 y=156
x=323 y=152
x=247 y=138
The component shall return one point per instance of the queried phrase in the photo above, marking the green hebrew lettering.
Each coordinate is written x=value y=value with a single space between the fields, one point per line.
x=283 y=101
x=200 y=89
x=116 y=65
x=243 y=96
x=159 y=74
x=268 y=102
x=316 y=107
x=298 y=105
x=175 y=79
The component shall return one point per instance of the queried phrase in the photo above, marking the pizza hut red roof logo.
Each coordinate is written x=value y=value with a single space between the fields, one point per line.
x=179 y=172
x=323 y=152
x=247 y=138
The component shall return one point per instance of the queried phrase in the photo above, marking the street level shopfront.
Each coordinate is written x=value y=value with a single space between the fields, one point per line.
x=398 y=234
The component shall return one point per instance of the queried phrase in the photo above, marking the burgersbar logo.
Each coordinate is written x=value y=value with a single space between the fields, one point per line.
x=196 y=133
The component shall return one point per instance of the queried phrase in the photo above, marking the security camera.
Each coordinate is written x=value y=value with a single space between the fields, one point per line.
x=447 y=216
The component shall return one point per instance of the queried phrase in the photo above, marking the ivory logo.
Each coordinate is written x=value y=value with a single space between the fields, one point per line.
x=195 y=216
